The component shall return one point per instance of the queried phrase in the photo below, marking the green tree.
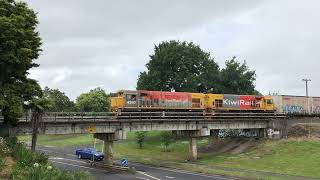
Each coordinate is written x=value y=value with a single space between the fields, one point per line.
x=94 y=101
x=237 y=78
x=140 y=138
x=166 y=139
x=180 y=66
x=58 y=101
x=19 y=47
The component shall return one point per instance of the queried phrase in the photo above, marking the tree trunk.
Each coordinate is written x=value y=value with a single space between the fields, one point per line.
x=34 y=140
x=35 y=125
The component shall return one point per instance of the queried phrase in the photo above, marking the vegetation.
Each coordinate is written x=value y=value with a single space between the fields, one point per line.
x=291 y=157
x=34 y=165
x=58 y=101
x=94 y=101
x=166 y=139
x=140 y=138
x=183 y=66
x=20 y=46
x=237 y=78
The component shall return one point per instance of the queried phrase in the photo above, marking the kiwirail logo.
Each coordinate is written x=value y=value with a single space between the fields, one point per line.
x=238 y=102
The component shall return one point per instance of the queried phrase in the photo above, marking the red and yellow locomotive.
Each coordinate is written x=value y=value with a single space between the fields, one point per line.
x=142 y=100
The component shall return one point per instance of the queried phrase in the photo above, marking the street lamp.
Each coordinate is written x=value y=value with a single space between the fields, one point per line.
x=306 y=80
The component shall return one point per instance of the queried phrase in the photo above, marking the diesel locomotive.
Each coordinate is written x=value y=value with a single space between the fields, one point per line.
x=142 y=100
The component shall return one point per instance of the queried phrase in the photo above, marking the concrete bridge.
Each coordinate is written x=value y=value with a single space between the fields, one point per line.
x=110 y=127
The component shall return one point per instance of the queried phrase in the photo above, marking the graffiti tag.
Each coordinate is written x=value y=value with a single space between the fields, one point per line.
x=293 y=109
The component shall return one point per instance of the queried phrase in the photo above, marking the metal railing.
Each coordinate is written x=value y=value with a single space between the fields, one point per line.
x=113 y=116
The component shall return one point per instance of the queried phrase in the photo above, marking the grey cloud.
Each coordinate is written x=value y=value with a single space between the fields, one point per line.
x=107 y=43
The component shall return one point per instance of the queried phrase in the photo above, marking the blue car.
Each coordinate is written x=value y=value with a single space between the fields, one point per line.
x=89 y=153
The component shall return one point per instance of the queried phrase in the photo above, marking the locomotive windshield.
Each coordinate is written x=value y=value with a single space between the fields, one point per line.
x=269 y=101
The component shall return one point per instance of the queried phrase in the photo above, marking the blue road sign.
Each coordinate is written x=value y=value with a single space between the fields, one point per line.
x=124 y=162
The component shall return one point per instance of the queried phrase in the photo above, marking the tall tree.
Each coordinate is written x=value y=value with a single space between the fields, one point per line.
x=237 y=78
x=58 y=101
x=94 y=101
x=19 y=47
x=180 y=66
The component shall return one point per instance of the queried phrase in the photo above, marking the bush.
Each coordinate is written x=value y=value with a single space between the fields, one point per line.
x=166 y=138
x=34 y=165
x=140 y=135
x=2 y=161
x=38 y=171
x=25 y=157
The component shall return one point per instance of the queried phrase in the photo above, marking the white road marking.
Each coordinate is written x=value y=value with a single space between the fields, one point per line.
x=148 y=175
x=59 y=158
x=190 y=173
x=56 y=158
x=169 y=177
x=73 y=165
x=49 y=146
x=142 y=178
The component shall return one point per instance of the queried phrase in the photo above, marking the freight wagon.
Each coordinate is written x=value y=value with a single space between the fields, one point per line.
x=297 y=104
x=142 y=100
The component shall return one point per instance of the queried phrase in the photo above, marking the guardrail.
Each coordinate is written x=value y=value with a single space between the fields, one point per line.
x=113 y=116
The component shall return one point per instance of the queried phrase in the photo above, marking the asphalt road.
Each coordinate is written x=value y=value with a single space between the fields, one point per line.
x=68 y=161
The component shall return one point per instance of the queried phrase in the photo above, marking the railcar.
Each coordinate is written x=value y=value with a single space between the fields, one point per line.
x=142 y=100
x=297 y=104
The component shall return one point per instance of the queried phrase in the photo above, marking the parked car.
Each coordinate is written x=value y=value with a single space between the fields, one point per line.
x=89 y=153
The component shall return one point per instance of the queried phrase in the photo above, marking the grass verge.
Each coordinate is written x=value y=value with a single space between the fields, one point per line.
x=291 y=157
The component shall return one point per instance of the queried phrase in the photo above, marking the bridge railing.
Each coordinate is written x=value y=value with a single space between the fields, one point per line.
x=109 y=116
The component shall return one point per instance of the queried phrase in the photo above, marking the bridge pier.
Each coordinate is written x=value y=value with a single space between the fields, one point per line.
x=108 y=139
x=193 y=135
x=193 y=151
x=108 y=153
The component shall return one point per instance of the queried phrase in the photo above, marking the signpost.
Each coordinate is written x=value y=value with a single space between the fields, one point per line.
x=124 y=162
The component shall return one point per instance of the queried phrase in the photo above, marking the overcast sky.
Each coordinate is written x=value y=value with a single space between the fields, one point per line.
x=105 y=43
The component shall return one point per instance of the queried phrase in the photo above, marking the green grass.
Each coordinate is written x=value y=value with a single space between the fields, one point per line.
x=291 y=157
x=61 y=140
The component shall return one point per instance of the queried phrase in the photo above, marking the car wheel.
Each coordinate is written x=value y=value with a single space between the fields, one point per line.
x=79 y=156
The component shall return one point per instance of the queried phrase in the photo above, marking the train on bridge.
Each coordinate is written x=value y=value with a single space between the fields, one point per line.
x=142 y=100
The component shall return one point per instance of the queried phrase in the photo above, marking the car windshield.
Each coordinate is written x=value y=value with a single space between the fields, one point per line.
x=92 y=150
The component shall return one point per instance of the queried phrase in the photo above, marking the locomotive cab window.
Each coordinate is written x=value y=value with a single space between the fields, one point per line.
x=269 y=101
x=219 y=102
x=131 y=97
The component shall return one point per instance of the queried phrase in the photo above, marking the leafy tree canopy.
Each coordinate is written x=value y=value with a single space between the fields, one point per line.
x=19 y=47
x=94 y=101
x=180 y=66
x=237 y=78
x=184 y=66
x=58 y=101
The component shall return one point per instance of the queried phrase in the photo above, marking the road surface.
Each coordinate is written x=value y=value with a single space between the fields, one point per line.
x=68 y=161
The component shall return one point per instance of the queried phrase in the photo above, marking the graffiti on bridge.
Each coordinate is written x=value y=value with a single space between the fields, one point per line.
x=316 y=109
x=293 y=109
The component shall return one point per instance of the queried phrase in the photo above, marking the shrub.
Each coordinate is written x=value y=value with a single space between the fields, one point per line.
x=25 y=157
x=38 y=171
x=2 y=161
x=140 y=135
x=166 y=139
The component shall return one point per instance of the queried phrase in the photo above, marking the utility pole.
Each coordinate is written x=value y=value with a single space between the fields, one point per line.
x=306 y=80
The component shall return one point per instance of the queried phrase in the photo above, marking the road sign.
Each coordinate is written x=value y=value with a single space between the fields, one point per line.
x=124 y=162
